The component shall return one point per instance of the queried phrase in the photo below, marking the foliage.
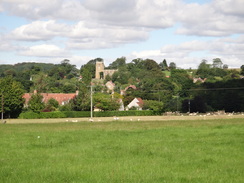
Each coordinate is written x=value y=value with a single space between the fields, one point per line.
x=105 y=102
x=164 y=65
x=84 y=114
x=52 y=105
x=90 y=67
x=153 y=81
x=153 y=105
x=126 y=113
x=35 y=103
x=242 y=70
x=217 y=63
x=11 y=93
x=82 y=102
x=223 y=95
x=41 y=115
x=172 y=65
x=118 y=63
x=210 y=71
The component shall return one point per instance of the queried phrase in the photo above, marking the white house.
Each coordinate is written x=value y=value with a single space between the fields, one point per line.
x=136 y=102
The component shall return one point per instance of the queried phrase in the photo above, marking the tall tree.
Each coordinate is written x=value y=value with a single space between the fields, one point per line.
x=11 y=93
x=164 y=65
x=119 y=62
x=91 y=66
x=217 y=63
x=203 y=70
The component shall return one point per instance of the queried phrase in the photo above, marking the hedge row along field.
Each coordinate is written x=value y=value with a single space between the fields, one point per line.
x=80 y=114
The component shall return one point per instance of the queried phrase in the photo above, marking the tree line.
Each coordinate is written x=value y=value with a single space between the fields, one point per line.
x=162 y=87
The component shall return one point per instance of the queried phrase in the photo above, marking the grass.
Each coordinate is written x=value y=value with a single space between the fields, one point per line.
x=147 y=151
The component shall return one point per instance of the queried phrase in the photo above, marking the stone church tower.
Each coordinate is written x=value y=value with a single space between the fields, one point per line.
x=101 y=73
x=99 y=69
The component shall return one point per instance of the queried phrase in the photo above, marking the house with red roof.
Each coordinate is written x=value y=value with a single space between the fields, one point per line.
x=62 y=98
x=136 y=102
x=123 y=92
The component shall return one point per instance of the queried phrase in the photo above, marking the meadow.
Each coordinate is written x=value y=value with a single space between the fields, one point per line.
x=201 y=151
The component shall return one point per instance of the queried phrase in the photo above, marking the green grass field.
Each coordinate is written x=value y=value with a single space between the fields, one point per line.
x=209 y=151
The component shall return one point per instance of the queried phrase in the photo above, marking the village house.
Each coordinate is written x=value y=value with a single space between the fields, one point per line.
x=62 y=98
x=123 y=92
x=136 y=103
x=195 y=80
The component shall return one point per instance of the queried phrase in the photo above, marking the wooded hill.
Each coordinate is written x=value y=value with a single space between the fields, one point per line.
x=163 y=87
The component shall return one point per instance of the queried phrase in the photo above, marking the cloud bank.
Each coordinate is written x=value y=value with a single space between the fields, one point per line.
x=62 y=28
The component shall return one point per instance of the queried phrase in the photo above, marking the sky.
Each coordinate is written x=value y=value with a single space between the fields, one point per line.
x=181 y=31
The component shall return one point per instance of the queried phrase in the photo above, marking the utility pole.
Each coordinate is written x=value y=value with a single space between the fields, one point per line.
x=91 y=102
x=177 y=108
x=2 y=106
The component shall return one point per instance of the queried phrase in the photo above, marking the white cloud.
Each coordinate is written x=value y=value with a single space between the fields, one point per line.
x=233 y=7
x=189 y=54
x=81 y=35
x=95 y=36
x=44 y=50
x=218 y=18
x=30 y=9
x=96 y=24
x=39 y=30
x=5 y=44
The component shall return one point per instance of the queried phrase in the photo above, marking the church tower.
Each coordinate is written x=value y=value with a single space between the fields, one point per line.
x=99 y=69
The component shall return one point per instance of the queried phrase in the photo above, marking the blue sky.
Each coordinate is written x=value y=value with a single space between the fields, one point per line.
x=180 y=31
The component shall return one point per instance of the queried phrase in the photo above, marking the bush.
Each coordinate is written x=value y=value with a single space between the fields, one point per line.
x=29 y=115
x=77 y=114
x=125 y=113
x=83 y=114
x=41 y=115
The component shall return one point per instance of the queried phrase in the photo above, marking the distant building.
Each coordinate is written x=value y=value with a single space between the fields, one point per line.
x=123 y=92
x=110 y=86
x=137 y=103
x=62 y=98
x=101 y=72
x=195 y=80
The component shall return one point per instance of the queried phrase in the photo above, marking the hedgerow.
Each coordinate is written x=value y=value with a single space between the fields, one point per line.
x=81 y=114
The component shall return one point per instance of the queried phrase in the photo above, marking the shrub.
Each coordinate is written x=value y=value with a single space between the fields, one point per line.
x=83 y=114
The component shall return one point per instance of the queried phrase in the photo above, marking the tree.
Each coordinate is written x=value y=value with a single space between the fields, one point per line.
x=11 y=93
x=91 y=66
x=106 y=102
x=51 y=105
x=151 y=65
x=119 y=62
x=242 y=70
x=172 y=65
x=203 y=70
x=164 y=65
x=82 y=101
x=225 y=66
x=153 y=105
x=35 y=103
x=217 y=63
